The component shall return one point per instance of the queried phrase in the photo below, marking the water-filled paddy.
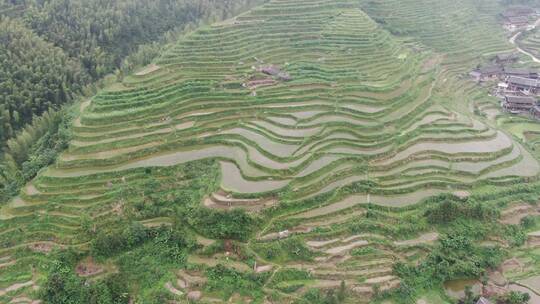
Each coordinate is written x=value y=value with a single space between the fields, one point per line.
x=232 y=180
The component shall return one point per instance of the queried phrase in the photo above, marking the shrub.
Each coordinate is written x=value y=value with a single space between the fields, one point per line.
x=449 y=210
x=290 y=274
x=528 y=222
x=227 y=281
x=63 y=286
x=235 y=224
x=291 y=249
x=514 y=297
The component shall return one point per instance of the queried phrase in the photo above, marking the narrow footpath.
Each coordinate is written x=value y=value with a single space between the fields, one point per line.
x=513 y=41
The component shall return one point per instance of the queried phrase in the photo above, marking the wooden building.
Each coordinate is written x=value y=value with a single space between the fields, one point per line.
x=517 y=11
x=486 y=73
x=518 y=104
x=535 y=112
x=521 y=72
x=522 y=84
x=517 y=21
x=505 y=58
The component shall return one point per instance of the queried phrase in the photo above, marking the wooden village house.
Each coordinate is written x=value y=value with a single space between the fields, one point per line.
x=516 y=17
x=505 y=58
x=486 y=73
x=535 y=112
x=522 y=84
x=521 y=72
x=517 y=21
x=517 y=11
x=518 y=104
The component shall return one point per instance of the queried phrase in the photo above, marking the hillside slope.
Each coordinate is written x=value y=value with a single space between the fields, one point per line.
x=309 y=115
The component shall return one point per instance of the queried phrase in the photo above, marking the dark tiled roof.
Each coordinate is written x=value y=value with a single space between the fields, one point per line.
x=524 y=100
x=520 y=71
x=522 y=81
x=518 y=20
x=517 y=11
x=492 y=69
x=506 y=56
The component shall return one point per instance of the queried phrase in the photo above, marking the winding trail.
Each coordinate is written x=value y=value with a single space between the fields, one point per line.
x=513 y=41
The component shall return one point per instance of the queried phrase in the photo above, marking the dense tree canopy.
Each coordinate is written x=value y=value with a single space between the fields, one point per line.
x=34 y=76
x=101 y=32
x=50 y=49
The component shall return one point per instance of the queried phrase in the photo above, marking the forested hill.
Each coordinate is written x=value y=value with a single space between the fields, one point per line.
x=51 y=49
x=101 y=32
x=34 y=76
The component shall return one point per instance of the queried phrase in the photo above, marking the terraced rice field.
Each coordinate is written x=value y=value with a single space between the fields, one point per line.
x=461 y=29
x=363 y=118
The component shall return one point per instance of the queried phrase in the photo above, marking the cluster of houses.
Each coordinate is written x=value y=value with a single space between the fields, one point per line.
x=518 y=88
x=517 y=17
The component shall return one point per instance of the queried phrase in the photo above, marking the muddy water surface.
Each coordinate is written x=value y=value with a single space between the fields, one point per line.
x=233 y=180
x=456 y=288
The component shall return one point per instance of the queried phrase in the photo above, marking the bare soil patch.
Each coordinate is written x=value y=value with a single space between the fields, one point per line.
x=533 y=239
x=265 y=268
x=24 y=300
x=226 y=201
x=41 y=247
x=147 y=70
x=515 y=214
x=511 y=265
x=89 y=267
x=342 y=249
x=253 y=84
x=173 y=290
x=191 y=279
x=15 y=287
x=194 y=295
x=423 y=239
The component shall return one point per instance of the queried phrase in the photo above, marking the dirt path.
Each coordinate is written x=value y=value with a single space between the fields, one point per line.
x=147 y=70
x=259 y=259
x=513 y=41
x=82 y=107
x=173 y=290
x=423 y=239
x=15 y=287
x=515 y=214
